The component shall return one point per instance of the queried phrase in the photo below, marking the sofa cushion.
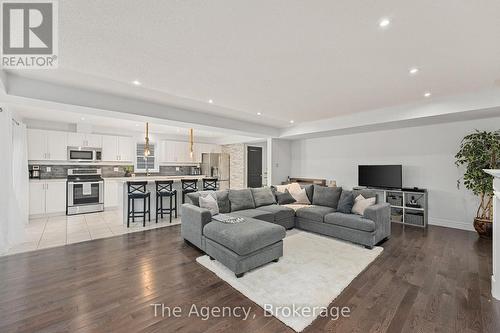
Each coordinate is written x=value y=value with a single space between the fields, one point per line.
x=245 y=237
x=366 y=193
x=309 y=191
x=284 y=198
x=256 y=214
x=314 y=213
x=346 y=202
x=263 y=196
x=326 y=196
x=241 y=199
x=351 y=221
x=279 y=212
x=222 y=199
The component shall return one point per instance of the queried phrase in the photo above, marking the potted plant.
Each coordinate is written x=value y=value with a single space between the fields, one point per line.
x=479 y=151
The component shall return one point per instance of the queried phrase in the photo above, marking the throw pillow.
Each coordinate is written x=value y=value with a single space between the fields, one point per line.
x=209 y=202
x=310 y=191
x=263 y=196
x=326 y=196
x=284 y=198
x=300 y=197
x=241 y=199
x=346 y=202
x=361 y=204
x=223 y=201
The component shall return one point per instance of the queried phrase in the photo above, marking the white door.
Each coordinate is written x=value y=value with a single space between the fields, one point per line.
x=126 y=149
x=57 y=147
x=37 y=198
x=111 y=193
x=110 y=148
x=76 y=139
x=55 y=197
x=93 y=140
x=37 y=145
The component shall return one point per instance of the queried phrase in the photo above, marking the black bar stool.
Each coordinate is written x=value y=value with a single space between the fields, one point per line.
x=164 y=189
x=188 y=186
x=210 y=184
x=137 y=190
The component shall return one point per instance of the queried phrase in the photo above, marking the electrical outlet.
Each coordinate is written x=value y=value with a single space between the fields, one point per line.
x=116 y=169
x=177 y=169
x=48 y=169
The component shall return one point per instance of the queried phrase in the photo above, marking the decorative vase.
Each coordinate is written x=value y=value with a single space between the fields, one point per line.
x=484 y=228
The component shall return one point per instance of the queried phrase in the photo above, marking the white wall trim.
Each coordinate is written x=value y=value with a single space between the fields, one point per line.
x=451 y=224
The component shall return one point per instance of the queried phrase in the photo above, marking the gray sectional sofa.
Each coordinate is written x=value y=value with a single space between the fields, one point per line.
x=259 y=240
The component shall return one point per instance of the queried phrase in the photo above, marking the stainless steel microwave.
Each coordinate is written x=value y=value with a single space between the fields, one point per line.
x=83 y=154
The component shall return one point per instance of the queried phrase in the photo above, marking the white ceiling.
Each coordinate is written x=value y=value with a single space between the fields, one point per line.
x=301 y=60
x=104 y=124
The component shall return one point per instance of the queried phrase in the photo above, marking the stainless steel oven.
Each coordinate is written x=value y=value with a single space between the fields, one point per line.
x=82 y=154
x=85 y=191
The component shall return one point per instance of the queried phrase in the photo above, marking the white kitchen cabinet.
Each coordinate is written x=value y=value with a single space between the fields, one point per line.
x=117 y=148
x=111 y=193
x=109 y=148
x=37 y=145
x=178 y=151
x=126 y=148
x=47 y=145
x=57 y=146
x=47 y=197
x=37 y=198
x=84 y=140
x=55 y=197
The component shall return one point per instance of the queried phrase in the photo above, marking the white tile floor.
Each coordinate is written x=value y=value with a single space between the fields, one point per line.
x=60 y=230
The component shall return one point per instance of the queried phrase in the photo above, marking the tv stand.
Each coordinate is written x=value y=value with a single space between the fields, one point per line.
x=401 y=209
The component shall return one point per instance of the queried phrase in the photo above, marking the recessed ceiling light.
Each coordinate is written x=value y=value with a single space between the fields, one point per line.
x=136 y=125
x=259 y=114
x=137 y=82
x=384 y=22
x=413 y=70
x=292 y=121
x=211 y=101
x=82 y=118
x=427 y=94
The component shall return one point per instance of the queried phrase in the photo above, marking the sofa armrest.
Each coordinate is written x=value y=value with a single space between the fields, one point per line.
x=381 y=215
x=193 y=220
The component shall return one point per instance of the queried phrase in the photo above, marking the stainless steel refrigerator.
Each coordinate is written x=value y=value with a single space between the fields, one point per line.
x=216 y=165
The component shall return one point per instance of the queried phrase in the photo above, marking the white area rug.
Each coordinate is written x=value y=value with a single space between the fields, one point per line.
x=311 y=274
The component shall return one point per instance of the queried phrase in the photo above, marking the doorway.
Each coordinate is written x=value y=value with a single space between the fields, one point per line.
x=254 y=166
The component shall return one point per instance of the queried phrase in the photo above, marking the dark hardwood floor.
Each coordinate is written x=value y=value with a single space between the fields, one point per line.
x=435 y=280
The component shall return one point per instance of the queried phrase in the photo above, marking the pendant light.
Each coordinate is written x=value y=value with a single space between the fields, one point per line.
x=147 y=151
x=191 y=143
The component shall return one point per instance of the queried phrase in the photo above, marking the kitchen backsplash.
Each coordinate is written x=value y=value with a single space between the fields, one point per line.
x=61 y=171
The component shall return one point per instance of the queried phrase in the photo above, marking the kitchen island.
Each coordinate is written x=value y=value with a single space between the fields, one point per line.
x=151 y=187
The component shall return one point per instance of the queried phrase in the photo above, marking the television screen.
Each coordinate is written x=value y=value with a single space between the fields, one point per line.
x=383 y=176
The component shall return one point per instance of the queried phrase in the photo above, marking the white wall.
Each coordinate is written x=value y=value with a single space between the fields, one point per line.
x=426 y=153
x=279 y=156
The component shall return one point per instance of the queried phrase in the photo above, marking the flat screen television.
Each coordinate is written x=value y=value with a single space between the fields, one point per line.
x=380 y=176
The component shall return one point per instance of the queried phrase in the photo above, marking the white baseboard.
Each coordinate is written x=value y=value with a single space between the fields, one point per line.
x=495 y=288
x=451 y=224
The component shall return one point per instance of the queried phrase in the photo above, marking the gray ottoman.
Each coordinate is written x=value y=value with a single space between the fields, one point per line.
x=243 y=246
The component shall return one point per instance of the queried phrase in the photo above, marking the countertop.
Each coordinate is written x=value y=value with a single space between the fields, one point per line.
x=124 y=179
x=152 y=178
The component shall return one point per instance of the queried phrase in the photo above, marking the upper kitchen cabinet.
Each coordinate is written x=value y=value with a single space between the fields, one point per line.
x=84 y=140
x=47 y=145
x=177 y=152
x=117 y=148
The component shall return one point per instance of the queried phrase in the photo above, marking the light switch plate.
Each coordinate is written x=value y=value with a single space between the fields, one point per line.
x=177 y=169
x=48 y=169
x=116 y=169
